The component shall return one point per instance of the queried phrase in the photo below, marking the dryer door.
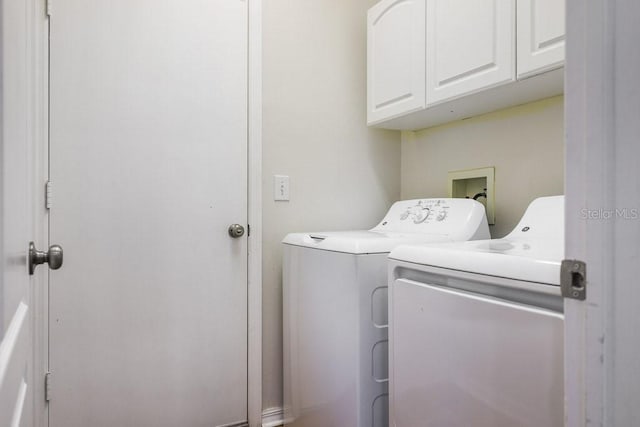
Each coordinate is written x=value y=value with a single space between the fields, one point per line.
x=461 y=359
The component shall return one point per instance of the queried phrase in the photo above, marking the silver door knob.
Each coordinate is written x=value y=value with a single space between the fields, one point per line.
x=236 y=230
x=53 y=257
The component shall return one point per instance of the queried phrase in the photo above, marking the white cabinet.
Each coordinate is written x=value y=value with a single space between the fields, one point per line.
x=395 y=58
x=434 y=61
x=470 y=46
x=541 y=34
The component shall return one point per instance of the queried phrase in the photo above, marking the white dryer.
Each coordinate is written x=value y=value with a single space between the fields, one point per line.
x=335 y=310
x=476 y=328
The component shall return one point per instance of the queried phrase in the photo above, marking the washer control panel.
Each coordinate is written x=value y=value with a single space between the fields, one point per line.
x=446 y=216
x=434 y=209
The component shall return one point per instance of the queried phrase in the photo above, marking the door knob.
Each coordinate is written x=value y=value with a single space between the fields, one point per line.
x=53 y=257
x=236 y=230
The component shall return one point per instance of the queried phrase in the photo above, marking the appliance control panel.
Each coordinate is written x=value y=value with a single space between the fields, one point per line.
x=438 y=216
x=434 y=209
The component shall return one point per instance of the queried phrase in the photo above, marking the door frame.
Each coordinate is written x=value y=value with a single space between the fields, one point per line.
x=602 y=100
x=38 y=128
x=40 y=53
x=254 y=285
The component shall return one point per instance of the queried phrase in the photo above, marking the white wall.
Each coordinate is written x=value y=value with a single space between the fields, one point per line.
x=343 y=175
x=525 y=144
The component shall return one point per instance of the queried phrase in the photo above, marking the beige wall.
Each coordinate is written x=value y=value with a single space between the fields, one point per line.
x=343 y=175
x=525 y=145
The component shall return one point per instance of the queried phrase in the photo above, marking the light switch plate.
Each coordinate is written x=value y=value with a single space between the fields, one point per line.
x=280 y=187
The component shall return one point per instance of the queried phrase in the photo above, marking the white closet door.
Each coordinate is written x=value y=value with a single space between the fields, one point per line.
x=17 y=217
x=148 y=321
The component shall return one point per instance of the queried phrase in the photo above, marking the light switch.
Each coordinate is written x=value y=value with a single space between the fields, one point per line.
x=281 y=187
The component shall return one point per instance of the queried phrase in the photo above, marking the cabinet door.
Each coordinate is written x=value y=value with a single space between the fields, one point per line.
x=395 y=59
x=541 y=34
x=470 y=46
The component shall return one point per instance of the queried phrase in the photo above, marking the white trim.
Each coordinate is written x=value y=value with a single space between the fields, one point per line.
x=38 y=79
x=602 y=349
x=254 y=303
x=588 y=165
x=575 y=129
x=273 y=417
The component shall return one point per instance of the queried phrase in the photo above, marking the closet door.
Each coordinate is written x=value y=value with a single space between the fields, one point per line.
x=148 y=316
x=470 y=46
x=18 y=216
x=395 y=59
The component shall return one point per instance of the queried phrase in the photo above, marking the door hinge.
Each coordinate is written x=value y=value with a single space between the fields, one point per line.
x=48 y=195
x=47 y=386
x=48 y=7
x=573 y=279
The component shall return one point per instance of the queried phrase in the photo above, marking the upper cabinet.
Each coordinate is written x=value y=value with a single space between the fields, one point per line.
x=541 y=36
x=470 y=46
x=395 y=58
x=433 y=61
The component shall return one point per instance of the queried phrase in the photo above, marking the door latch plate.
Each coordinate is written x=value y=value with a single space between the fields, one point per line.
x=573 y=279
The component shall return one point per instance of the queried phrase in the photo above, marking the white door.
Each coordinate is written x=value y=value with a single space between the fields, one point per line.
x=16 y=219
x=148 y=317
x=395 y=59
x=541 y=34
x=470 y=46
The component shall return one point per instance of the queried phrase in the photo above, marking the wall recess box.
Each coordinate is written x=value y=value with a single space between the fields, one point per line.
x=471 y=182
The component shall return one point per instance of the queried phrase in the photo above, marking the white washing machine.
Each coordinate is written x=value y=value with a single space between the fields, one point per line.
x=335 y=310
x=476 y=328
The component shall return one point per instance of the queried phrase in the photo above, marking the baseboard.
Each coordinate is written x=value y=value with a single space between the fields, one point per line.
x=273 y=417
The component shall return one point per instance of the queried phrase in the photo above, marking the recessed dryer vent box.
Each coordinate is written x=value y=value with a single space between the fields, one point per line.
x=475 y=182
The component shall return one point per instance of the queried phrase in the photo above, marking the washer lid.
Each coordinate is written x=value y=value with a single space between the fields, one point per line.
x=532 y=252
x=360 y=242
